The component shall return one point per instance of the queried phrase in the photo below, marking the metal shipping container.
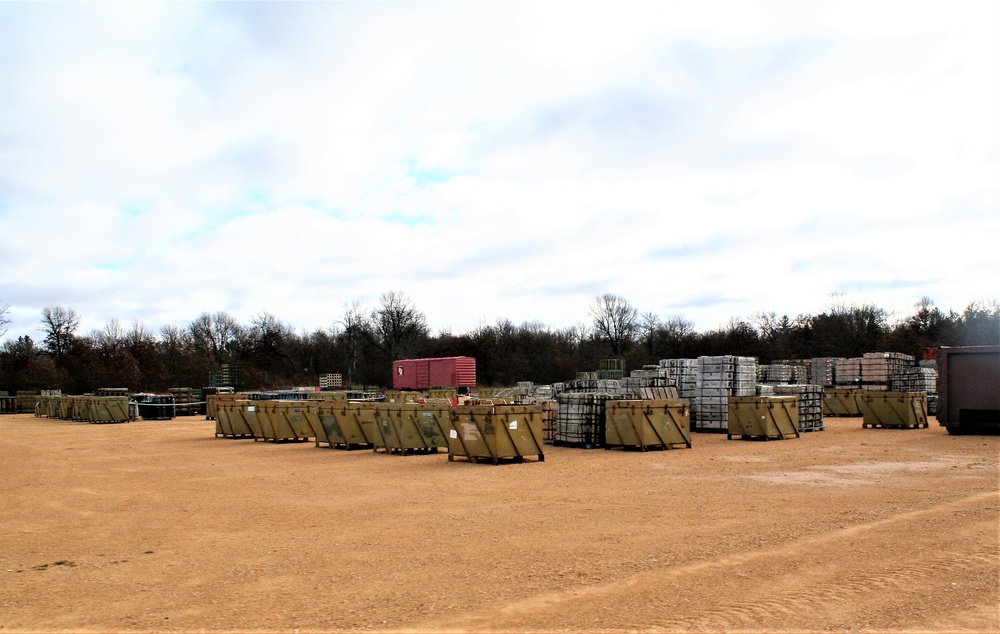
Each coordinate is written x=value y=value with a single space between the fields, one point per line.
x=420 y=374
x=969 y=389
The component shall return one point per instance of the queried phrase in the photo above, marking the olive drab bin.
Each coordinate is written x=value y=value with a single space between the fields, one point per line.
x=496 y=433
x=652 y=424
x=406 y=428
x=107 y=409
x=233 y=419
x=897 y=410
x=346 y=425
x=842 y=401
x=286 y=421
x=763 y=417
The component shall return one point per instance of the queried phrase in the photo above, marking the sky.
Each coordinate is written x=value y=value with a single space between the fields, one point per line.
x=705 y=160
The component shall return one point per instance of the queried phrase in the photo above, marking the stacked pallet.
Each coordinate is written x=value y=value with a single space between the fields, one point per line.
x=823 y=371
x=847 y=371
x=719 y=378
x=580 y=419
x=810 y=404
x=917 y=379
x=331 y=381
x=878 y=367
x=655 y=377
x=684 y=373
x=775 y=373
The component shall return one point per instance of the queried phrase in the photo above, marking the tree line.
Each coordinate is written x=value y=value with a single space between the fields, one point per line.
x=361 y=343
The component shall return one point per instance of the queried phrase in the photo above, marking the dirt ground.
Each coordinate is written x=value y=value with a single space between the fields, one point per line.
x=160 y=526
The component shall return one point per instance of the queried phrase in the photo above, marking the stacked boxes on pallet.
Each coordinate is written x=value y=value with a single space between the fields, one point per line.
x=331 y=381
x=810 y=404
x=847 y=371
x=580 y=419
x=684 y=374
x=878 y=367
x=774 y=374
x=917 y=379
x=823 y=371
x=718 y=379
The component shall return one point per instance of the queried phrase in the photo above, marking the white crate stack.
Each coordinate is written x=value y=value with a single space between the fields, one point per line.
x=810 y=404
x=775 y=373
x=847 y=371
x=824 y=371
x=329 y=381
x=918 y=379
x=719 y=378
x=684 y=373
x=877 y=368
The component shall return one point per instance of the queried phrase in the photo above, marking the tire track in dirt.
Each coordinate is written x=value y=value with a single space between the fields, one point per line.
x=808 y=606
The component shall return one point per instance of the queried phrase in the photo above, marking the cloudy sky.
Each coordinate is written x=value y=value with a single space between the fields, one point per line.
x=705 y=160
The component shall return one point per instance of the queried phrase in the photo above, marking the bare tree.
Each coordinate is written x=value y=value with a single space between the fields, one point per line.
x=112 y=338
x=352 y=327
x=396 y=324
x=214 y=335
x=271 y=337
x=4 y=319
x=649 y=325
x=59 y=325
x=615 y=319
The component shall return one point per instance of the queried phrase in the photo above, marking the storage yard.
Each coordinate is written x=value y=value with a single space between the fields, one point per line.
x=160 y=525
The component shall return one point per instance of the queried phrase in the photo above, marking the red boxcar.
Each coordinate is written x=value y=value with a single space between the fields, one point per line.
x=420 y=374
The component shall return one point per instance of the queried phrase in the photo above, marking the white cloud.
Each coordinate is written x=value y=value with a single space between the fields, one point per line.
x=513 y=160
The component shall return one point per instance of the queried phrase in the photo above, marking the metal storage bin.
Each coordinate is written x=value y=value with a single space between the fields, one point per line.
x=406 y=428
x=347 y=425
x=898 y=410
x=232 y=419
x=652 y=424
x=842 y=401
x=495 y=433
x=764 y=417
x=107 y=409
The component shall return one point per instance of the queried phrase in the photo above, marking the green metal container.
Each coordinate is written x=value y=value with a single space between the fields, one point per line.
x=495 y=433
x=405 y=428
x=289 y=419
x=347 y=425
x=899 y=410
x=652 y=424
x=763 y=417
x=844 y=401
x=106 y=409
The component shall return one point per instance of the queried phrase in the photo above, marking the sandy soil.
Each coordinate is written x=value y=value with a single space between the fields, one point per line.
x=160 y=526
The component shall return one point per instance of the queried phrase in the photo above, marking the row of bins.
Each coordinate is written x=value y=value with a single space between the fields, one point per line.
x=477 y=433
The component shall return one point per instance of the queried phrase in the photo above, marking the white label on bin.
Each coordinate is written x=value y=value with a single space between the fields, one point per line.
x=251 y=408
x=453 y=434
x=513 y=424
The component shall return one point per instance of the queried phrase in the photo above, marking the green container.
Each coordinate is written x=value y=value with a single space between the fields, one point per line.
x=406 y=428
x=898 y=410
x=347 y=425
x=652 y=424
x=845 y=401
x=763 y=417
x=495 y=433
